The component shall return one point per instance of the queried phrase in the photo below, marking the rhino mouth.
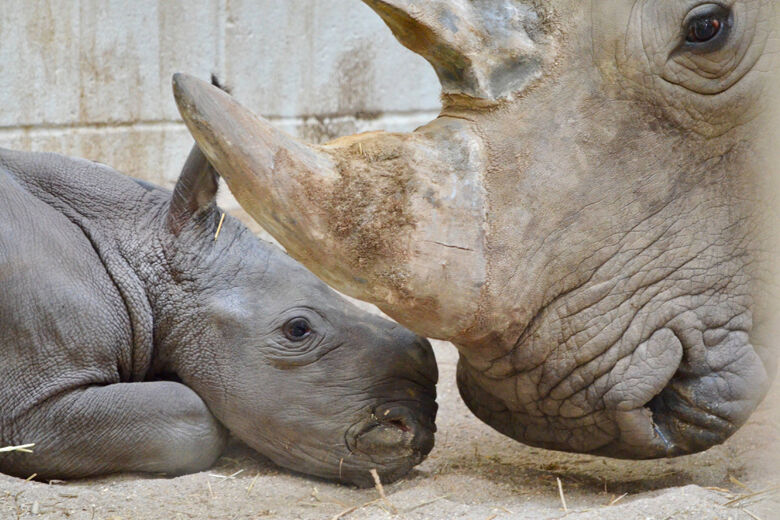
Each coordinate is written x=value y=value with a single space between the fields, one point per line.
x=701 y=404
x=668 y=425
x=393 y=438
x=677 y=393
x=390 y=438
x=684 y=427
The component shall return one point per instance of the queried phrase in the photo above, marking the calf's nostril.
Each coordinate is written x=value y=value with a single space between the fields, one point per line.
x=393 y=432
x=400 y=424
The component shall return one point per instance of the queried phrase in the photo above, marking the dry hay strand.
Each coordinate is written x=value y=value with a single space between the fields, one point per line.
x=351 y=510
x=381 y=490
x=560 y=492
x=219 y=227
x=223 y=478
x=378 y=484
x=618 y=499
x=252 y=485
x=762 y=493
x=24 y=448
x=382 y=498
x=426 y=503
x=751 y=515
x=734 y=480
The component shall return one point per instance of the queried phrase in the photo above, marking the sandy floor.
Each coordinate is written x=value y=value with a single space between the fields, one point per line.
x=472 y=473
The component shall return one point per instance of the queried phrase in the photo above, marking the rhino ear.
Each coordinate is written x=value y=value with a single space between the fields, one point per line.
x=198 y=182
x=195 y=190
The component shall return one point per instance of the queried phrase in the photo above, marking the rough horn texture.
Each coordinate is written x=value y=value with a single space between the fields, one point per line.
x=485 y=49
x=379 y=252
x=603 y=257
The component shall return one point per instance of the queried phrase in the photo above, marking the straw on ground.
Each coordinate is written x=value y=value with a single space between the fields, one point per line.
x=24 y=448
x=560 y=492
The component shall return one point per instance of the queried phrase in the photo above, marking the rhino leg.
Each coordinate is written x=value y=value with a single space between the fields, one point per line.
x=158 y=427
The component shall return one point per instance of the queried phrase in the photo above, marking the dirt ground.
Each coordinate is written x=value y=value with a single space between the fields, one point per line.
x=473 y=473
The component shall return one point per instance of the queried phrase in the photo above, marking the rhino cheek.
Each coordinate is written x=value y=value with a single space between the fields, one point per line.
x=297 y=425
x=326 y=417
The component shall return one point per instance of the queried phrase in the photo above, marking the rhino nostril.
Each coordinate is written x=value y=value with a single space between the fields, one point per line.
x=392 y=432
x=400 y=424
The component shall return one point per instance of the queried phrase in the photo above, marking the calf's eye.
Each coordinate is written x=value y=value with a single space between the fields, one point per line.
x=706 y=23
x=297 y=329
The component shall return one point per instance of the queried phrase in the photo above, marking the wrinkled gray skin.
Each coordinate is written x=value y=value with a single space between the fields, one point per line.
x=589 y=220
x=131 y=339
x=643 y=286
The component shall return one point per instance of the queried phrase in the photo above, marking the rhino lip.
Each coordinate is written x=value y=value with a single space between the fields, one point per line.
x=393 y=433
x=682 y=425
x=673 y=420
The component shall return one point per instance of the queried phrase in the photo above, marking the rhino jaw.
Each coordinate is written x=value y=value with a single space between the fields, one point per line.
x=662 y=401
x=365 y=213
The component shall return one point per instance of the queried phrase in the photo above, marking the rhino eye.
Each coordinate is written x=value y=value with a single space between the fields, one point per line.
x=704 y=29
x=707 y=25
x=297 y=329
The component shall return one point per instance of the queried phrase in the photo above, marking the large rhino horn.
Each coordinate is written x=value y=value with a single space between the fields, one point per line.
x=484 y=49
x=387 y=218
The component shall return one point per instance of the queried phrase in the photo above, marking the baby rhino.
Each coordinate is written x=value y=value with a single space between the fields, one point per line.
x=134 y=337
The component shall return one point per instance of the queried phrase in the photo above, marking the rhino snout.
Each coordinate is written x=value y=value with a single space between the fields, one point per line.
x=679 y=392
x=711 y=394
x=392 y=439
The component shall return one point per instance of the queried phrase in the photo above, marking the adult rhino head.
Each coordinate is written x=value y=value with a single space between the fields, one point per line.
x=586 y=220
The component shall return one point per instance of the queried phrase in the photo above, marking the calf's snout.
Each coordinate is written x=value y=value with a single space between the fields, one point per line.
x=394 y=431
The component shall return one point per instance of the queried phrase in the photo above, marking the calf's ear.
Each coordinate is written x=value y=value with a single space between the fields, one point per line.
x=197 y=186
x=196 y=190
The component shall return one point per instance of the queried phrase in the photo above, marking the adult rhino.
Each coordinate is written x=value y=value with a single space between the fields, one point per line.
x=133 y=338
x=586 y=220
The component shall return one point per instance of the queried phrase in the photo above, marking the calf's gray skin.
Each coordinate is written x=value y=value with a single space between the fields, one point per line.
x=589 y=219
x=132 y=340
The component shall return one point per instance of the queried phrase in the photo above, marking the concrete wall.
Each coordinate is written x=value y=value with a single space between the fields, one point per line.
x=91 y=78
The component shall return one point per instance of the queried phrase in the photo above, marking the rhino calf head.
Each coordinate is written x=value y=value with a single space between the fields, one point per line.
x=138 y=325
x=587 y=219
x=294 y=370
